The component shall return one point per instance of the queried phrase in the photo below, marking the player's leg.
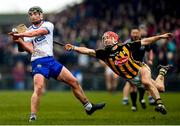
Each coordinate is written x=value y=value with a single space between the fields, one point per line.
x=159 y=82
x=114 y=81
x=108 y=79
x=151 y=99
x=141 y=91
x=147 y=81
x=38 y=90
x=136 y=84
x=133 y=94
x=126 y=90
x=66 y=76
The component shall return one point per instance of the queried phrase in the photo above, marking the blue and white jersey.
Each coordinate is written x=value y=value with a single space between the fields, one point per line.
x=43 y=44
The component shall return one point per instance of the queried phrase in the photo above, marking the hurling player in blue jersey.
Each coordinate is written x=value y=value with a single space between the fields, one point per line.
x=38 y=40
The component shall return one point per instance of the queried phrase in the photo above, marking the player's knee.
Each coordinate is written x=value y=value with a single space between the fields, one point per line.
x=74 y=83
x=38 y=88
x=38 y=91
x=146 y=82
x=161 y=88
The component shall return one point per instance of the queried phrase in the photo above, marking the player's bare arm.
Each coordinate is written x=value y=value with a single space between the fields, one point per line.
x=37 y=32
x=82 y=50
x=150 y=40
x=27 y=46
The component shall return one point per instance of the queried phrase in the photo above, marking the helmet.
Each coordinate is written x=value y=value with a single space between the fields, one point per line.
x=111 y=34
x=35 y=9
x=109 y=39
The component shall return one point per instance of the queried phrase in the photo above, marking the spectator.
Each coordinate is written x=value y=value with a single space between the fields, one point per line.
x=19 y=75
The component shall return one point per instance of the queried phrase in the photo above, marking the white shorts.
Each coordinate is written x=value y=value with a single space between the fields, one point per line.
x=137 y=79
x=108 y=71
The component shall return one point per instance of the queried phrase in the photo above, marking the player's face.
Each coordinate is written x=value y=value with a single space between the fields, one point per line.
x=107 y=40
x=135 y=34
x=35 y=17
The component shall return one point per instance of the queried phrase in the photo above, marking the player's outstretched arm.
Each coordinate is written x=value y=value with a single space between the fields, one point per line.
x=37 y=32
x=148 y=41
x=82 y=50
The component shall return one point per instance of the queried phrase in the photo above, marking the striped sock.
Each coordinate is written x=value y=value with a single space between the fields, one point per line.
x=159 y=101
x=88 y=106
x=162 y=71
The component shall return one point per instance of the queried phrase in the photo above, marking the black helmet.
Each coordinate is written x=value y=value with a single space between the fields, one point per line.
x=35 y=9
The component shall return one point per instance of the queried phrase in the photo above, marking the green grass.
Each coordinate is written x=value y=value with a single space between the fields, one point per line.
x=61 y=108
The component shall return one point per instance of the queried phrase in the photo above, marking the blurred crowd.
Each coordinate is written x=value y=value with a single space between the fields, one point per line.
x=83 y=25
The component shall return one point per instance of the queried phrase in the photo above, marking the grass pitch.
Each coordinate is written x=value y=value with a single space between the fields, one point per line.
x=61 y=108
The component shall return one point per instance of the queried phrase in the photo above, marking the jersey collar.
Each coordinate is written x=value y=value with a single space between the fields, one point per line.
x=36 y=27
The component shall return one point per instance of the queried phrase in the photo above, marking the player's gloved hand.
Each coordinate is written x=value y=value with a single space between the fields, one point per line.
x=69 y=47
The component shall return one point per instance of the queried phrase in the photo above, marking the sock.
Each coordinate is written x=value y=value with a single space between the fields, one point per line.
x=141 y=94
x=125 y=101
x=150 y=99
x=33 y=114
x=162 y=72
x=159 y=101
x=88 y=106
x=125 y=98
x=133 y=98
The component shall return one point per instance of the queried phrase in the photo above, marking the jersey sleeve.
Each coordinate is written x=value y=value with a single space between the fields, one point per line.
x=28 y=39
x=134 y=45
x=49 y=26
x=100 y=54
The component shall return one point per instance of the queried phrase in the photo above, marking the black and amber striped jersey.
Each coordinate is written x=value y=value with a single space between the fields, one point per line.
x=120 y=59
